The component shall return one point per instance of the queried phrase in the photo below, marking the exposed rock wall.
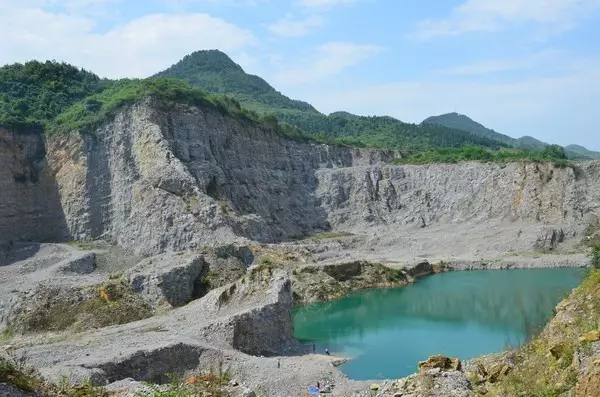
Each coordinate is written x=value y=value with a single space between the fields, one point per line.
x=30 y=209
x=159 y=178
x=478 y=192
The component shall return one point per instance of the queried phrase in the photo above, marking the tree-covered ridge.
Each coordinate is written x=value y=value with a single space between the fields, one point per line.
x=59 y=98
x=582 y=152
x=376 y=131
x=464 y=123
x=34 y=93
x=215 y=72
x=527 y=143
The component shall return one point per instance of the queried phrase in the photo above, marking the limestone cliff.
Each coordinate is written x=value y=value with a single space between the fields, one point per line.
x=30 y=208
x=162 y=177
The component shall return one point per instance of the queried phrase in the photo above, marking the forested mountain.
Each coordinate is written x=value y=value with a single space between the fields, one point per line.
x=215 y=72
x=34 y=93
x=57 y=97
x=582 y=151
x=464 y=123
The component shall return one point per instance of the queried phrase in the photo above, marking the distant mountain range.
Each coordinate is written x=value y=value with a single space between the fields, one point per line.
x=52 y=96
x=464 y=123
x=214 y=71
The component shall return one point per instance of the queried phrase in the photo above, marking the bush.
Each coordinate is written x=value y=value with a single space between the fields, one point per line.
x=596 y=256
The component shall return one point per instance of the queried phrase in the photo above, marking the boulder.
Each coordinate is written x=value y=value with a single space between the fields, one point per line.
x=167 y=278
x=441 y=362
x=421 y=269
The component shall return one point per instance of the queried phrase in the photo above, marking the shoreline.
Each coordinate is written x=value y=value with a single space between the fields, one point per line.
x=513 y=262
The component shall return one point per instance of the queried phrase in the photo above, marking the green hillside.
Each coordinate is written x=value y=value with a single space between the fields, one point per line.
x=464 y=123
x=527 y=143
x=57 y=98
x=582 y=152
x=34 y=93
x=215 y=72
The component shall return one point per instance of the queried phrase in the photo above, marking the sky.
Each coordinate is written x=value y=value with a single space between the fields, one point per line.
x=521 y=67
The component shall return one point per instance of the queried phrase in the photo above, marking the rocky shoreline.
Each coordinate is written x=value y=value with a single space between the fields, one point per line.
x=233 y=323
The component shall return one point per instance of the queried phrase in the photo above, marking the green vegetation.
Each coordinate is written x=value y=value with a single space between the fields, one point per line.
x=34 y=93
x=210 y=382
x=59 y=98
x=552 y=153
x=596 y=256
x=215 y=72
x=525 y=143
x=111 y=303
x=15 y=371
x=127 y=92
x=543 y=366
x=577 y=151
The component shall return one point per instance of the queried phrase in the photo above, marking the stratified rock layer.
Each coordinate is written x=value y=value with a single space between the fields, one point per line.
x=158 y=178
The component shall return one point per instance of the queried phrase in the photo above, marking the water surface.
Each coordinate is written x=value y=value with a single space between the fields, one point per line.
x=460 y=314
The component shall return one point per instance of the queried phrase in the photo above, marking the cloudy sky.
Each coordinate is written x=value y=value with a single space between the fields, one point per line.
x=522 y=67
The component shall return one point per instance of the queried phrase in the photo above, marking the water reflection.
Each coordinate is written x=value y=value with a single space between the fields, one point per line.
x=477 y=312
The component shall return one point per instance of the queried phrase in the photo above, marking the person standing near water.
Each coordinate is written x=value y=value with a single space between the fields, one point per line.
x=314 y=348
x=327 y=352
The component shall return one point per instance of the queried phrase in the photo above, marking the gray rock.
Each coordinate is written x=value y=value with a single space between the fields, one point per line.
x=85 y=264
x=169 y=278
x=7 y=390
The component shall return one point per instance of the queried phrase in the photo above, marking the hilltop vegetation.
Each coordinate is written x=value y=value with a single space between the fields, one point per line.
x=34 y=93
x=57 y=98
x=526 y=143
x=215 y=72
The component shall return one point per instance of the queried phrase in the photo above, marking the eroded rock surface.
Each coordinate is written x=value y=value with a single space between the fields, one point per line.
x=170 y=279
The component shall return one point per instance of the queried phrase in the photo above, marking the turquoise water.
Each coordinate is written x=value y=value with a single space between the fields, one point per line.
x=459 y=314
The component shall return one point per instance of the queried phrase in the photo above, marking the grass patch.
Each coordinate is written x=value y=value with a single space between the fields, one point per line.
x=596 y=256
x=111 y=303
x=553 y=154
x=209 y=382
x=395 y=275
x=15 y=371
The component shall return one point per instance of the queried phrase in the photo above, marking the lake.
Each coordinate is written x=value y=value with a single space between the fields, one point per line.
x=459 y=314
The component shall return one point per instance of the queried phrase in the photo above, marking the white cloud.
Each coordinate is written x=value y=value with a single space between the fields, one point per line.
x=137 y=48
x=503 y=65
x=323 y=3
x=493 y=15
x=288 y=27
x=332 y=58
x=560 y=109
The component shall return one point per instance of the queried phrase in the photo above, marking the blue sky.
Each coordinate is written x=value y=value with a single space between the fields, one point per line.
x=521 y=67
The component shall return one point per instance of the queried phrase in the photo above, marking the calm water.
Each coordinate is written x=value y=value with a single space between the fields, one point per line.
x=461 y=314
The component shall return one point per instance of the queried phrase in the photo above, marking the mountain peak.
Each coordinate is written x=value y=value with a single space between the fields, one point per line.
x=214 y=71
x=464 y=123
x=208 y=60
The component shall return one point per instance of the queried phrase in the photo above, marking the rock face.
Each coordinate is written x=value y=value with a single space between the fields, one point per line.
x=441 y=362
x=159 y=178
x=252 y=316
x=30 y=207
x=314 y=283
x=168 y=278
